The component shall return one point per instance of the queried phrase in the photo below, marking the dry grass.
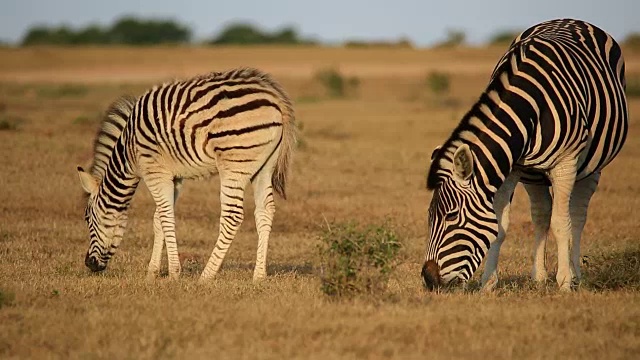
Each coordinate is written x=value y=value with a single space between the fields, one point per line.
x=364 y=159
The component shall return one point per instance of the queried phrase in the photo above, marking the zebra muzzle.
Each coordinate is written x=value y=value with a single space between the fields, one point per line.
x=431 y=275
x=93 y=264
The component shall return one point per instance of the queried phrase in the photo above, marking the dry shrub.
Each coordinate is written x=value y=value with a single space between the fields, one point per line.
x=357 y=260
x=613 y=271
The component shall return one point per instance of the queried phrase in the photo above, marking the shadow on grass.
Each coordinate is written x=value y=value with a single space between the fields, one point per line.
x=303 y=269
x=193 y=265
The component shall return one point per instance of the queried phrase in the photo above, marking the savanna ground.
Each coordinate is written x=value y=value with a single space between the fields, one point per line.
x=362 y=157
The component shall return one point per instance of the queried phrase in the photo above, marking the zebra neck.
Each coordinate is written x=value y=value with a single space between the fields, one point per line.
x=119 y=182
x=497 y=135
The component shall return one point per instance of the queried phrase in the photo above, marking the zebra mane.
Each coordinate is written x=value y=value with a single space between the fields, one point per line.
x=442 y=157
x=247 y=73
x=113 y=122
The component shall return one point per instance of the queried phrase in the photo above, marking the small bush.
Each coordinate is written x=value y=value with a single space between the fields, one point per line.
x=632 y=40
x=356 y=260
x=613 y=271
x=9 y=123
x=6 y=298
x=66 y=90
x=84 y=120
x=438 y=83
x=301 y=143
x=633 y=87
x=335 y=84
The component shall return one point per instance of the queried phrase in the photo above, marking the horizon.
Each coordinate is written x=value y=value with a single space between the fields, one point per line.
x=422 y=23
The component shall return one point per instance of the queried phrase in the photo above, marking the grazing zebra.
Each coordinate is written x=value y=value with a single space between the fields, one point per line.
x=239 y=124
x=554 y=114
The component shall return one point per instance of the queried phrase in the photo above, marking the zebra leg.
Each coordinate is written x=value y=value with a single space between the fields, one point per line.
x=582 y=192
x=158 y=244
x=163 y=191
x=540 y=199
x=563 y=178
x=501 y=205
x=265 y=209
x=231 y=216
x=158 y=236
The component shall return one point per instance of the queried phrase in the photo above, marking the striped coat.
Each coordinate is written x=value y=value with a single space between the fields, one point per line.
x=239 y=124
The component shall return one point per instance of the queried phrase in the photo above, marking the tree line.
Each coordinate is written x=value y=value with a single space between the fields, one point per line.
x=131 y=30
x=134 y=31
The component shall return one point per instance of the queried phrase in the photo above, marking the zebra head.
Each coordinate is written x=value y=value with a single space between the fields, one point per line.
x=106 y=225
x=461 y=225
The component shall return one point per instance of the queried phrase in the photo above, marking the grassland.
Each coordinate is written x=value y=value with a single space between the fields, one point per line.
x=362 y=158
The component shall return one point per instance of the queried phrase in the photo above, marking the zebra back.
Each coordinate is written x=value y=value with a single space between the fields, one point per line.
x=113 y=122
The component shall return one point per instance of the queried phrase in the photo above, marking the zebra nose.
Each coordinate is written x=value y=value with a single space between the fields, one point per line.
x=92 y=263
x=431 y=275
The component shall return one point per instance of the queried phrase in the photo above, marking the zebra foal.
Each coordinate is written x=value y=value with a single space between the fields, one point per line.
x=237 y=124
x=554 y=114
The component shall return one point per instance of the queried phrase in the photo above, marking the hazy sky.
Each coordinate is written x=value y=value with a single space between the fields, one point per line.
x=424 y=22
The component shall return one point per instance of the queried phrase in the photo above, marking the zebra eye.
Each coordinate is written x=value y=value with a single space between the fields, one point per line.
x=452 y=216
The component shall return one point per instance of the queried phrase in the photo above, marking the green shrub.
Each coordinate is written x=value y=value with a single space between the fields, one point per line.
x=357 y=260
x=438 y=83
x=6 y=298
x=9 y=123
x=633 y=87
x=335 y=84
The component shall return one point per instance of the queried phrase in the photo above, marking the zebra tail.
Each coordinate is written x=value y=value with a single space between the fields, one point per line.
x=287 y=144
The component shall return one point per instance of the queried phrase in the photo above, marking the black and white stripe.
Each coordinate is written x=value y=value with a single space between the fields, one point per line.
x=238 y=124
x=554 y=114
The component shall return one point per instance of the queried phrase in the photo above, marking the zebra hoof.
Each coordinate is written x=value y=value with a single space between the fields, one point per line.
x=257 y=278
x=490 y=284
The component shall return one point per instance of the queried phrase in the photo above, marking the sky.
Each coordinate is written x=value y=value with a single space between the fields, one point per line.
x=423 y=22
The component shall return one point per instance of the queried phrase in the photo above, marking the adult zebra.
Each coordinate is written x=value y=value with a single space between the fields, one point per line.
x=554 y=114
x=239 y=124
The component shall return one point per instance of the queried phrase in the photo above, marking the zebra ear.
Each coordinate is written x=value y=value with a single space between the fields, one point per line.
x=435 y=152
x=463 y=163
x=89 y=184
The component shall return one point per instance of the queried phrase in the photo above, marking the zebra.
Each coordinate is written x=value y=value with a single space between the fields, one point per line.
x=553 y=115
x=238 y=124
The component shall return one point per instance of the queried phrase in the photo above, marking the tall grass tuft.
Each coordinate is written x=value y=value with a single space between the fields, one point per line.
x=356 y=259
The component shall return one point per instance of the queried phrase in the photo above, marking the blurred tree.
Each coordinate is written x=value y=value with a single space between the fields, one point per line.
x=92 y=34
x=288 y=35
x=132 y=31
x=43 y=35
x=248 y=34
x=454 y=38
x=632 y=40
x=127 y=30
x=240 y=33
x=504 y=37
